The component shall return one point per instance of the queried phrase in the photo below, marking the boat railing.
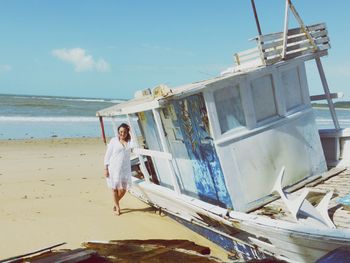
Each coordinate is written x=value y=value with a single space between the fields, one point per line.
x=309 y=42
x=152 y=153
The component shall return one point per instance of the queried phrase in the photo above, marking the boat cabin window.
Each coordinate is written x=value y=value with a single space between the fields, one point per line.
x=264 y=97
x=229 y=108
x=292 y=88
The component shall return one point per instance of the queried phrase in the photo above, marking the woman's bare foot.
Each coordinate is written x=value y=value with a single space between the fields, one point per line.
x=116 y=210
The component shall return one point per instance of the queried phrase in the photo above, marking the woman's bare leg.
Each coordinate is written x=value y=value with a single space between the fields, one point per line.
x=116 y=201
x=121 y=193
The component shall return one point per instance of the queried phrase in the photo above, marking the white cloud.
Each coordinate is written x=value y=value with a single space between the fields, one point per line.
x=5 y=68
x=81 y=60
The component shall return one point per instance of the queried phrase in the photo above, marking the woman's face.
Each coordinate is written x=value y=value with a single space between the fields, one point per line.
x=123 y=133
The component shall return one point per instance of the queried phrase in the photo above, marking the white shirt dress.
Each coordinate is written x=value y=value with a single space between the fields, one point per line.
x=119 y=166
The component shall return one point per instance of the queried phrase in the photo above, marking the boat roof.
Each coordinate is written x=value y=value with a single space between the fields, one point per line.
x=151 y=101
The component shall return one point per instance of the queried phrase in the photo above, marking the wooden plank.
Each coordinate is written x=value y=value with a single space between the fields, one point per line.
x=301 y=40
x=324 y=47
x=334 y=180
x=152 y=153
x=294 y=31
x=273 y=53
x=278 y=36
x=326 y=176
x=316 y=27
x=299 y=43
x=76 y=255
x=34 y=252
x=323 y=96
x=270 y=61
x=152 y=250
x=318 y=34
x=321 y=39
x=299 y=47
x=279 y=42
x=249 y=57
x=304 y=52
x=302 y=49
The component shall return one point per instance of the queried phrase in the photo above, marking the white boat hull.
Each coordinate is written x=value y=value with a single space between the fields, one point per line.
x=254 y=236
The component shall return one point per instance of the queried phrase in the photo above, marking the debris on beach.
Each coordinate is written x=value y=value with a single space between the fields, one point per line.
x=152 y=250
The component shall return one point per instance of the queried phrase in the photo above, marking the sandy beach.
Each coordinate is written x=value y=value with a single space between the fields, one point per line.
x=53 y=191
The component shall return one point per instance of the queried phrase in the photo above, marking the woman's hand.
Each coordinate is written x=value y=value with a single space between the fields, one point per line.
x=106 y=172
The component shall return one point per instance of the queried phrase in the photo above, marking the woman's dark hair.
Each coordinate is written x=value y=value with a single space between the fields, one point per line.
x=127 y=128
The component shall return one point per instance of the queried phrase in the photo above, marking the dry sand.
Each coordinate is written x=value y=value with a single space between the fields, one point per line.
x=53 y=191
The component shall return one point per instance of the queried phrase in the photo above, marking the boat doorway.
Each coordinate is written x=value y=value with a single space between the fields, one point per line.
x=157 y=168
x=187 y=131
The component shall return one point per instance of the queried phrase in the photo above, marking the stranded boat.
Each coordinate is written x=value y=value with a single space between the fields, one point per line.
x=239 y=157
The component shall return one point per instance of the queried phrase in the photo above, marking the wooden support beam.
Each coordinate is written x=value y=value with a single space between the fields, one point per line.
x=327 y=93
x=102 y=130
x=256 y=18
x=324 y=97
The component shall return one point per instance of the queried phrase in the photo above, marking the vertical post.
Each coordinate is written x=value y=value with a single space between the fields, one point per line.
x=165 y=148
x=238 y=62
x=327 y=93
x=102 y=129
x=256 y=18
x=285 y=30
x=136 y=143
x=259 y=41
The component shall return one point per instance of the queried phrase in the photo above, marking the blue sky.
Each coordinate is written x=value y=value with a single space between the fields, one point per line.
x=110 y=49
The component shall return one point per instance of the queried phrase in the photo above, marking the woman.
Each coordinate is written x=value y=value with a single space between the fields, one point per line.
x=118 y=166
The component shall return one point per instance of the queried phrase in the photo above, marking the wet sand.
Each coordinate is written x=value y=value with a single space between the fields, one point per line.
x=54 y=191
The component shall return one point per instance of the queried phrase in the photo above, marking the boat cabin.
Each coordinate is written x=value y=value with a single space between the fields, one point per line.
x=225 y=140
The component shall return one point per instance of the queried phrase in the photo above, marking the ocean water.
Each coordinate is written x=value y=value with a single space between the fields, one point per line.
x=324 y=118
x=24 y=117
